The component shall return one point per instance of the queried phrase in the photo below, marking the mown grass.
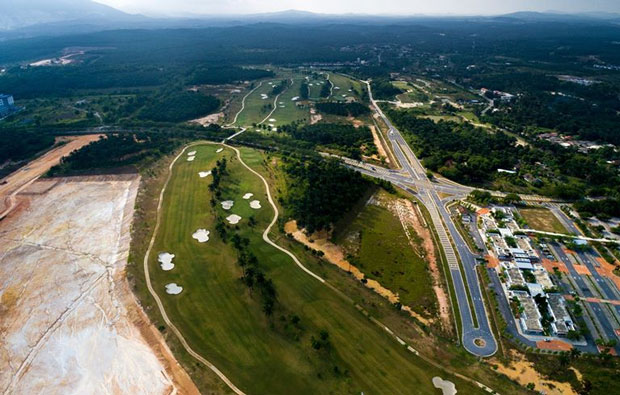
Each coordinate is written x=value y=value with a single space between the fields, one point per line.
x=291 y=111
x=344 y=83
x=253 y=111
x=381 y=250
x=542 y=219
x=222 y=320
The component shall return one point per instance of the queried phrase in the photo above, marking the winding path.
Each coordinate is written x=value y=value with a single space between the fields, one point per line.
x=160 y=305
x=243 y=105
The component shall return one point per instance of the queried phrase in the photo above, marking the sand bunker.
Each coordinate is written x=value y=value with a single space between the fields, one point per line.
x=191 y=158
x=295 y=98
x=192 y=153
x=248 y=195
x=227 y=204
x=255 y=204
x=446 y=387
x=173 y=289
x=219 y=150
x=233 y=219
x=165 y=260
x=202 y=235
x=204 y=174
x=272 y=119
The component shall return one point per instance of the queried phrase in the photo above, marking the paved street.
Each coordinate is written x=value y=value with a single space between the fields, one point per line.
x=477 y=338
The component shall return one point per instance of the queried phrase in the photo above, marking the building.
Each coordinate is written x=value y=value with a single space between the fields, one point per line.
x=530 y=316
x=7 y=105
x=562 y=322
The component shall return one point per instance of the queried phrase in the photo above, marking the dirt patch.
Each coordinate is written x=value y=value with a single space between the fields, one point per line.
x=22 y=177
x=550 y=266
x=492 y=261
x=582 y=269
x=335 y=255
x=78 y=304
x=523 y=372
x=209 y=119
x=555 y=345
x=315 y=118
x=379 y=145
x=607 y=269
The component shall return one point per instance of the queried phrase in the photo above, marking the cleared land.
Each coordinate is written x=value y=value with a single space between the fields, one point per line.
x=542 y=219
x=391 y=252
x=223 y=320
x=19 y=179
x=69 y=322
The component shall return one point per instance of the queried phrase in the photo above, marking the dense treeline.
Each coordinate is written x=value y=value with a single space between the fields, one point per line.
x=603 y=209
x=320 y=192
x=34 y=82
x=20 y=145
x=343 y=137
x=326 y=89
x=227 y=74
x=343 y=109
x=279 y=88
x=384 y=90
x=472 y=155
x=178 y=106
x=128 y=149
x=304 y=91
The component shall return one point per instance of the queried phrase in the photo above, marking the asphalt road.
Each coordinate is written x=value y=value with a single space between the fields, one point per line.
x=477 y=339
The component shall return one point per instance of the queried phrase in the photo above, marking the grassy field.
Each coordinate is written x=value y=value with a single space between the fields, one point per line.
x=542 y=219
x=223 y=321
x=381 y=250
x=347 y=86
x=315 y=88
x=254 y=112
x=290 y=112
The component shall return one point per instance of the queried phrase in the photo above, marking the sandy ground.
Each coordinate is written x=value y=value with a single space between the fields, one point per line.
x=335 y=255
x=606 y=269
x=209 y=119
x=524 y=373
x=379 y=145
x=555 y=345
x=68 y=321
x=21 y=177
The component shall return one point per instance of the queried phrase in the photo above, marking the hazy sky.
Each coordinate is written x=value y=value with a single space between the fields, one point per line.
x=469 y=7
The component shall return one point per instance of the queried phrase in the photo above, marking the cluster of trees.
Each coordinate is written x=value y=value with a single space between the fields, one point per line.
x=343 y=109
x=253 y=276
x=216 y=178
x=458 y=151
x=343 y=137
x=320 y=192
x=20 y=145
x=279 y=88
x=325 y=89
x=383 y=89
x=304 y=91
x=602 y=209
x=217 y=75
x=177 y=106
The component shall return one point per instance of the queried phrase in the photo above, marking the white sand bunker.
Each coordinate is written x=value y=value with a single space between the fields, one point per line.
x=173 y=289
x=272 y=119
x=227 y=204
x=191 y=158
x=202 y=235
x=446 y=387
x=204 y=174
x=191 y=153
x=248 y=195
x=219 y=150
x=255 y=204
x=295 y=98
x=165 y=260
x=233 y=219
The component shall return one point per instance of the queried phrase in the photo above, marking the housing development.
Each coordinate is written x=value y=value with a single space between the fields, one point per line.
x=308 y=203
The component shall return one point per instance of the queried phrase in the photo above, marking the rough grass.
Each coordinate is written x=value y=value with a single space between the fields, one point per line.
x=381 y=250
x=291 y=112
x=223 y=321
x=542 y=219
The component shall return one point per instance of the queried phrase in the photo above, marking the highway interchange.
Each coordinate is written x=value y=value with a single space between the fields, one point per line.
x=477 y=336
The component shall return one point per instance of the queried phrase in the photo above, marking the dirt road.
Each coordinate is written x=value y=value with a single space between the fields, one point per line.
x=12 y=184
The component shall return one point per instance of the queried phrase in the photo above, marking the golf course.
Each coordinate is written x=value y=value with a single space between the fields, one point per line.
x=313 y=340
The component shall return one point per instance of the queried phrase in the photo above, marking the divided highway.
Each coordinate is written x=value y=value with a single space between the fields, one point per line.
x=477 y=338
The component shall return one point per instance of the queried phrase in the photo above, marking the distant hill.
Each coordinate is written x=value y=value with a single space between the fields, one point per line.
x=17 y=14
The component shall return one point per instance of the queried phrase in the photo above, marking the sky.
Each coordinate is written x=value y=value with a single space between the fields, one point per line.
x=399 y=7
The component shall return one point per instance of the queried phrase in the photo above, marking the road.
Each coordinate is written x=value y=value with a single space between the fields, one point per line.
x=477 y=339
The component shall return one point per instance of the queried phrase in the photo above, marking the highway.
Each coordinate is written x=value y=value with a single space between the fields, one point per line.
x=477 y=339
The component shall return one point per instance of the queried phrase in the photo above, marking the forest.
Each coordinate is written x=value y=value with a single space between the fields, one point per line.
x=343 y=109
x=19 y=145
x=319 y=192
x=342 y=137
